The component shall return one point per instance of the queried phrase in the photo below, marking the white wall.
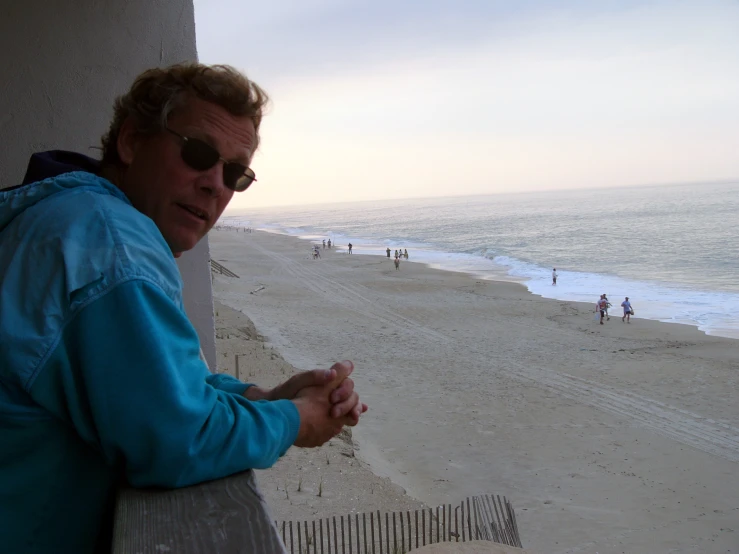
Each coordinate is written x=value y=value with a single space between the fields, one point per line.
x=61 y=66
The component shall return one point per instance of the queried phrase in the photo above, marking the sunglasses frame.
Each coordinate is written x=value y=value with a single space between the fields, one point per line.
x=243 y=171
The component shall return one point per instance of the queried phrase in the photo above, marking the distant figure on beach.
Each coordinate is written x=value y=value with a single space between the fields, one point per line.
x=388 y=252
x=628 y=310
x=324 y=244
x=600 y=306
x=350 y=248
x=397 y=263
x=316 y=252
x=405 y=254
x=396 y=253
x=608 y=305
x=329 y=244
x=554 y=276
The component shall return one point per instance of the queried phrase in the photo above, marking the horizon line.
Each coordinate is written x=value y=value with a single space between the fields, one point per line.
x=726 y=181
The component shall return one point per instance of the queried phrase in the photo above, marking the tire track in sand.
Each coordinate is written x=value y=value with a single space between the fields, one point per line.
x=681 y=425
x=353 y=298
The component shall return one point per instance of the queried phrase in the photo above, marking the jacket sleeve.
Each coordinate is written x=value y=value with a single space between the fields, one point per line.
x=227 y=383
x=127 y=375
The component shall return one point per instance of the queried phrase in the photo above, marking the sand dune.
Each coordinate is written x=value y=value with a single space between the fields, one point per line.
x=610 y=439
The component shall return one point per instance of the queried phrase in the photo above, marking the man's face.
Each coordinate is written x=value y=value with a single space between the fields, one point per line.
x=183 y=202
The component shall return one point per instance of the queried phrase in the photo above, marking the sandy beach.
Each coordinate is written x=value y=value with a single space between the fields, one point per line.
x=610 y=439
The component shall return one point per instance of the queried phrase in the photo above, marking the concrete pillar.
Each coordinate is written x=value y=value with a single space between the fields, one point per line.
x=62 y=65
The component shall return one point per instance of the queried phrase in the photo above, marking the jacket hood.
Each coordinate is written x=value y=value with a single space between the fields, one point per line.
x=51 y=173
x=43 y=165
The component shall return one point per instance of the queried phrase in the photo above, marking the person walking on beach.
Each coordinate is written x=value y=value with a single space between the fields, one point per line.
x=397 y=263
x=554 y=276
x=329 y=244
x=608 y=305
x=324 y=244
x=628 y=311
x=350 y=248
x=600 y=306
x=388 y=252
x=104 y=383
x=405 y=253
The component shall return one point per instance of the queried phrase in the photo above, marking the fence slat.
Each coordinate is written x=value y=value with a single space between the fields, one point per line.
x=387 y=532
x=349 y=531
x=410 y=536
x=315 y=539
x=469 y=521
x=300 y=540
x=423 y=527
x=379 y=531
x=456 y=522
x=372 y=530
x=336 y=539
x=416 y=528
x=356 y=521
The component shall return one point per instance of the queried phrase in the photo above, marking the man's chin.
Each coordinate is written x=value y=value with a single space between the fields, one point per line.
x=181 y=244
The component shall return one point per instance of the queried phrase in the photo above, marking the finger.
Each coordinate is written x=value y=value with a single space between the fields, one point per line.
x=343 y=391
x=343 y=369
x=315 y=377
x=343 y=408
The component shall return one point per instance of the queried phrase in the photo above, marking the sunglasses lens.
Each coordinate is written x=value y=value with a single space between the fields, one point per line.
x=237 y=177
x=199 y=155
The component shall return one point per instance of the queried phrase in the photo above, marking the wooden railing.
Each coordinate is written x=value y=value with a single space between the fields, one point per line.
x=215 y=266
x=213 y=518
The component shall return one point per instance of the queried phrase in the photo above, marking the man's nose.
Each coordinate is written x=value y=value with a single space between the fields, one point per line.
x=211 y=180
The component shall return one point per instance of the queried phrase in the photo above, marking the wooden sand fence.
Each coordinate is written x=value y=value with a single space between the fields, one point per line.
x=215 y=266
x=485 y=517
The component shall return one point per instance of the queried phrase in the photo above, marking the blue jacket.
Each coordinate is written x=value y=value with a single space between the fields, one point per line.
x=100 y=375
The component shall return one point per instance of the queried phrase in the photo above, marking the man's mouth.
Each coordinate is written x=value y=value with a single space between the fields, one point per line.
x=194 y=210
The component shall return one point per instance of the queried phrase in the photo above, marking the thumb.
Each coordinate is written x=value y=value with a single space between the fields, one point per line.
x=343 y=370
x=312 y=378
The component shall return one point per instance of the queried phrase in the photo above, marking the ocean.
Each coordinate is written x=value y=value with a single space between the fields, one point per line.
x=671 y=249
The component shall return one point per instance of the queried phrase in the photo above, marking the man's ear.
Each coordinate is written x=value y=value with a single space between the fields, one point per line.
x=127 y=141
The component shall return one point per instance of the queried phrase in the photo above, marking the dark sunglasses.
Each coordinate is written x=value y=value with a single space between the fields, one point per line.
x=201 y=156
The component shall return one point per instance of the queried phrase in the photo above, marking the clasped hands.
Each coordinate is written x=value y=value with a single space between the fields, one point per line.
x=325 y=399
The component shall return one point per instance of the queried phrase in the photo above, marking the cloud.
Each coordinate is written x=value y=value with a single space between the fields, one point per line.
x=374 y=100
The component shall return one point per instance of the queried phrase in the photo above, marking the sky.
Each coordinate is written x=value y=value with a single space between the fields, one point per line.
x=393 y=99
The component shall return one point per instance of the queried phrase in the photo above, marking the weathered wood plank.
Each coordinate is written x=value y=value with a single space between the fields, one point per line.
x=218 y=516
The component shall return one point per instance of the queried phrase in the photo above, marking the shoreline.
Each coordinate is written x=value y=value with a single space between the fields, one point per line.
x=501 y=274
x=605 y=438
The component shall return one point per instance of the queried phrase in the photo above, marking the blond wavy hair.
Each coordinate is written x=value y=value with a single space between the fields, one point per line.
x=156 y=93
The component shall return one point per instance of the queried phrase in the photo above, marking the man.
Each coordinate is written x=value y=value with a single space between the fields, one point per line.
x=388 y=252
x=600 y=306
x=100 y=375
x=626 y=305
x=350 y=248
x=554 y=276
